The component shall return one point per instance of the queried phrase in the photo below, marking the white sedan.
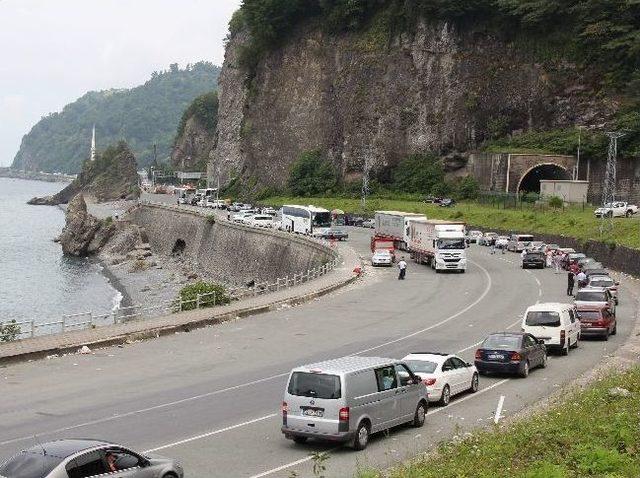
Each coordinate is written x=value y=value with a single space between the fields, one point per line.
x=382 y=257
x=444 y=375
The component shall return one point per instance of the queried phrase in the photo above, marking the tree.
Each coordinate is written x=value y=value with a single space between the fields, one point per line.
x=311 y=174
x=419 y=173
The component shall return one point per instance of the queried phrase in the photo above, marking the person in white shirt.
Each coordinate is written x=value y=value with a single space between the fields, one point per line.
x=402 y=266
x=582 y=279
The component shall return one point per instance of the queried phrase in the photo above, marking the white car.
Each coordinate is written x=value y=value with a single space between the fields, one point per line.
x=261 y=220
x=616 y=209
x=474 y=236
x=269 y=211
x=445 y=375
x=382 y=257
x=502 y=242
x=242 y=217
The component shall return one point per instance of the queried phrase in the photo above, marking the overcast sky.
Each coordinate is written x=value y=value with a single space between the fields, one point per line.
x=54 y=51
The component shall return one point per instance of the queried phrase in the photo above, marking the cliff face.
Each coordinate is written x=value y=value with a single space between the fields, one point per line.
x=350 y=96
x=113 y=175
x=193 y=147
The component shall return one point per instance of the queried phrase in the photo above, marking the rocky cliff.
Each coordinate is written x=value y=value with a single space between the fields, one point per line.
x=83 y=234
x=351 y=95
x=113 y=175
x=193 y=147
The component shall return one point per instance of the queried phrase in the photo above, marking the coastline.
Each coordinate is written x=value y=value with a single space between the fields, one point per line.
x=125 y=298
x=7 y=172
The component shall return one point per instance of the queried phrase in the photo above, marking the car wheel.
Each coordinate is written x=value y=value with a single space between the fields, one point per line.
x=475 y=383
x=446 y=396
x=615 y=329
x=361 y=440
x=543 y=364
x=169 y=475
x=525 y=370
x=420 y=416
x=565 y=349
x=629 y=214
x=575 y=344
x=300 y=440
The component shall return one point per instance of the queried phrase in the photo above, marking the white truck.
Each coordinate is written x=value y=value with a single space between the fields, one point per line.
x=394 y=225
x=616 y=209
x=439 y=244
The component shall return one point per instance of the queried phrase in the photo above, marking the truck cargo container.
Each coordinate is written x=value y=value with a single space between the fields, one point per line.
x=394 y=225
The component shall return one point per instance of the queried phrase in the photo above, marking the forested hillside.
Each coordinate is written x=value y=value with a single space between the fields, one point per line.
x=142 y=116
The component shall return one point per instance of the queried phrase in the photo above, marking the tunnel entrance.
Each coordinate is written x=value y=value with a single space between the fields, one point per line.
x=178 y=247
x=530 y=182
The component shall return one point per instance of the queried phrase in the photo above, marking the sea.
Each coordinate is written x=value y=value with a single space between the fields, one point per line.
x=36 y=280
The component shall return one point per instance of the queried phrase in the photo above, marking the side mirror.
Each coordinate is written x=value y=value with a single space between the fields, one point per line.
x=469 y=364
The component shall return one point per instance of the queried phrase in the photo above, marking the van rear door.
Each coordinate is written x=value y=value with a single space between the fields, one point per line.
x=314 y=402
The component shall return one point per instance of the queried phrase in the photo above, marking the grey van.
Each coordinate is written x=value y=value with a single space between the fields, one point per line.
x=348 y=399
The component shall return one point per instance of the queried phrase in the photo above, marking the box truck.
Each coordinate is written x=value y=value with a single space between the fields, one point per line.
x=440 y=244
x=394 y=225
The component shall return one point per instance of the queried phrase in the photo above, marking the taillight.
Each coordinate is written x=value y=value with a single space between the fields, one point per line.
x=515 y=357
x=285 y=408
x=429 y=381
x=562 y=337
x=478 y=354
x=344 y=414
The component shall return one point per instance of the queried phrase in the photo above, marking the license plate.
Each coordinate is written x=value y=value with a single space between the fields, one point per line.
x=496 y=357
x=311 y=412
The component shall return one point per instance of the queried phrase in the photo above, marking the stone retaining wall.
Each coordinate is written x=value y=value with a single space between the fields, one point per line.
x=232 y=253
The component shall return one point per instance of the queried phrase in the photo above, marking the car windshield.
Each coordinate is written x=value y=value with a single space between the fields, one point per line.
x=315 y=385
x=534 y=256
x=422 y=366
x=29 y=465
x=589 y=314
x=547 y=319
x=451 y=244
x=322 y=219
x=502 y=342
x=591 y=296
x=601 y=283
x=525 y=238
x=383 y=252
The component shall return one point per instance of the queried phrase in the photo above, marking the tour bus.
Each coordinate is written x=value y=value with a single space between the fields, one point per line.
x=305 y=219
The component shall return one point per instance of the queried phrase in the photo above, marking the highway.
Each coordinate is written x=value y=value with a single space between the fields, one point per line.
x=211 y=397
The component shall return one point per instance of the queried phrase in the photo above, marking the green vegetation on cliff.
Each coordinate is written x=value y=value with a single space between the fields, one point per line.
x=143 y=116
x=204 y=109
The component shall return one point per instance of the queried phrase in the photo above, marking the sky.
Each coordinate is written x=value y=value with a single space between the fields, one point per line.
x=54 y=51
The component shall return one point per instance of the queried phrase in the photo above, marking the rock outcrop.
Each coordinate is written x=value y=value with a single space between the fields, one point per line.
x=193 y=147
x=350 y=95
x=112 y=176
x=83 y=234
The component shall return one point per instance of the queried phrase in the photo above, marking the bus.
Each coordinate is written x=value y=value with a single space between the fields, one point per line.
x=305 y=219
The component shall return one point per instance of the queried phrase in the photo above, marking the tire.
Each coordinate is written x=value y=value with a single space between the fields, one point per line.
x=300 y=440
x=420 y=415
x=475 y=383
x=575 y=345
x=361 y=440
x=629 y=213
x=445 y=398
x=525 y=370
x=615 y=329
x=610 y=214
x=544 y=361
x=565 y=350
x=169 y=475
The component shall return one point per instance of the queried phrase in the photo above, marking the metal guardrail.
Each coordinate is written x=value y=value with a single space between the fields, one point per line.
x=88 y=320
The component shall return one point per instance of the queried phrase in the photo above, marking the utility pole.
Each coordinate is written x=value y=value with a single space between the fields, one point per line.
x=577 y=174
x=366 y=170
x=610 y=179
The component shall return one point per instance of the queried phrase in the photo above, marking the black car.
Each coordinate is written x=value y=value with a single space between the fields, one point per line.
x=511 y=352
x=534 y=259
x=335 y=234
x=447 y=202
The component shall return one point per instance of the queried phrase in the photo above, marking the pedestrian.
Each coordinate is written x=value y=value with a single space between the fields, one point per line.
x=570 y=283
x=582 y=279
x=493 y=248
x=556 y=263
x=523 y=254
x=549 y=259
x=402 y=266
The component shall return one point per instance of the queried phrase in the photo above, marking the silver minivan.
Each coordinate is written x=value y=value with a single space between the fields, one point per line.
x=348 y=399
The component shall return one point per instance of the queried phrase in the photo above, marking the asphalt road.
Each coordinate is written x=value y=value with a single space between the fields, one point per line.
x=211 y=397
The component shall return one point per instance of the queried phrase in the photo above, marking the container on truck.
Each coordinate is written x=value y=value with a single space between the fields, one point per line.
x=439 y=244
x=394 y=225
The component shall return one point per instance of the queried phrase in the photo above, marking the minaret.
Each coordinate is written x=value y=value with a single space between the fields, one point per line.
x=93 y=144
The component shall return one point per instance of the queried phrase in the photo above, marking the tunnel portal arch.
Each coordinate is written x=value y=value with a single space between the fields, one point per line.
x=530 y=180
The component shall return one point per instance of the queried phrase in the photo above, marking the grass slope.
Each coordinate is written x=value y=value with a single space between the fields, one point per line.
x=591 y=433
x=571 y=222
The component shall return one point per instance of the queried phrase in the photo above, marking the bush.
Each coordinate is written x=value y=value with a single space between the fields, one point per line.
x=556 y=202
x=210 y=294
x=420 y=173
x=468 y=188
x=311 y=174
x=211 y=219
x=9 y=331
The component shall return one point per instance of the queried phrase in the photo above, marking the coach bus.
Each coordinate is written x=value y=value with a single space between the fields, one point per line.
x=305 y=219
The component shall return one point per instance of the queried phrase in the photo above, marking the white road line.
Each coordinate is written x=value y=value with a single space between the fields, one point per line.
x=212 y=433
x=498 y=414
x=431 y=412
x=442 y=322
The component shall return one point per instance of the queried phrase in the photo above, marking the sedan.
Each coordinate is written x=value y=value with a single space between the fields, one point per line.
x=534 y=259
x=80 y=458
x=444 y=375
x=603 y=280
x=335 y=234
x=597 y=321
x=595 y=296
x=487 y=239
x=474 y=236
x=511 y=352
x=382 y=257
x=369 y=223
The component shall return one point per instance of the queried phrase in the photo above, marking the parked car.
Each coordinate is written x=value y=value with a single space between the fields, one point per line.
x=350 y=220
x=369 y=223
x=335 y=233
x=242 y=217
x=487 y=239
x=511 y=352
x=585 y=260
x=616 y=209
x=595 y=296
x=555 y=324
x=534 y=259
x=537 y=246
x=502 y=242
x=447 y=202
x=519 y=242
x=195 y=199
x=260 y=220
x=215 y=203
x=592 y=266
x=83 y=458
x=382 y=257
x=348 y=399
x=597 y=272
x=269 y=211
x=444 y=375
x=474 y=236
x=551 y=247
x=597 y=321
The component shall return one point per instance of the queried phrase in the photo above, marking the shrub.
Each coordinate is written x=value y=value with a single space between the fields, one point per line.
x=9 y=331
x=556 y=202
x=211 y=219
x=468 y=188
x=420 y=173
x=311 y=174
x=210 y=294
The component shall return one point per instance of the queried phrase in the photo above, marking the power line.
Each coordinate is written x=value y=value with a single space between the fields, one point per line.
x=610 y=179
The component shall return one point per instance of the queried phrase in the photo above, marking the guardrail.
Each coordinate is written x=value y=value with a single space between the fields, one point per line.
x=87 y=320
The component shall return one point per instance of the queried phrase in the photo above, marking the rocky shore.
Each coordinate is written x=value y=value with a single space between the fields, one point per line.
x=35 y=176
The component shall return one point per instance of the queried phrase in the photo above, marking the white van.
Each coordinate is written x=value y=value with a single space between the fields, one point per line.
x=557 y=324
x=347 y=399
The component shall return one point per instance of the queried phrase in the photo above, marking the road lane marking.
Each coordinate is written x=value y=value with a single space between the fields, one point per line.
x=431 y=412
x=498 y=414
x=442 y=322
x=212 y=433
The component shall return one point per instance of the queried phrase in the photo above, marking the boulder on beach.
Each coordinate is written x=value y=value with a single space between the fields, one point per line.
x=83 y=234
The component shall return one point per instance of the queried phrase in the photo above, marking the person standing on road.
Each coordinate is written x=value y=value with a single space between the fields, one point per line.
x=570 y=283
x=493 y=247
x=402 y=266
x=582 y=279
x=557 y=258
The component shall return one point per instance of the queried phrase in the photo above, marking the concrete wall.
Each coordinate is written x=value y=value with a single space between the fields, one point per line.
x=231 y=253
x=569 y=191
x=628 y=174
